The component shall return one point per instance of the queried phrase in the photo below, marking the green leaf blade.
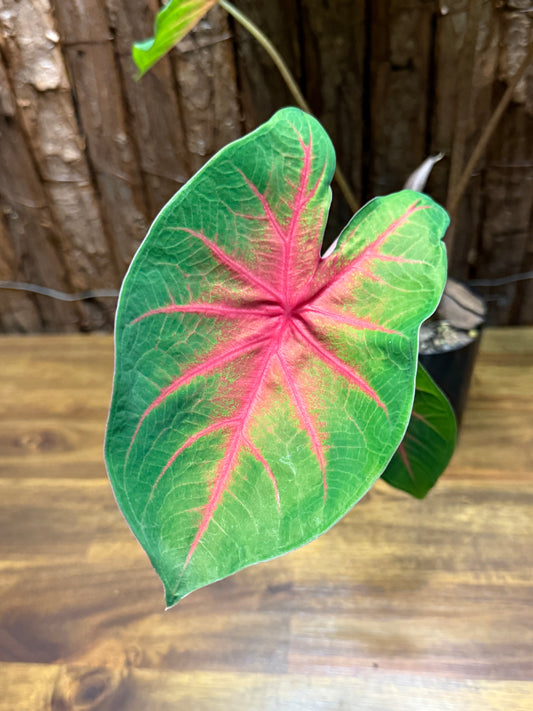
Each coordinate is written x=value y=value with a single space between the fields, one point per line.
x=429 y=441
x=172 y=23
x=259 y=389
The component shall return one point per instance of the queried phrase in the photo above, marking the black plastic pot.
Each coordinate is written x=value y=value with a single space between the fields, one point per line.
x=452 y=371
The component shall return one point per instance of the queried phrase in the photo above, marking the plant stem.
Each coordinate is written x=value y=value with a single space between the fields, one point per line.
x=458 y=190
x=291 y=83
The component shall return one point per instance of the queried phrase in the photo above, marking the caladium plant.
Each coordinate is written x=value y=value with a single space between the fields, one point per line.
x=260 y=388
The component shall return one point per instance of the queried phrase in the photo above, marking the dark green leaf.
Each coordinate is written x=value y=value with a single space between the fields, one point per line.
x=428 y=443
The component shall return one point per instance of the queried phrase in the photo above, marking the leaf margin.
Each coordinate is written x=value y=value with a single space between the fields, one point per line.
x=171 y=598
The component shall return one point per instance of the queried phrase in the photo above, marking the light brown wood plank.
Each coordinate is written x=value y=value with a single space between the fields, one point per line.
x=117 y=686
x=403 y=605
x=153 y=104
x=204 y=65
x=42 y=92
x=18 y=312
x=27 y=219
x=103 y=113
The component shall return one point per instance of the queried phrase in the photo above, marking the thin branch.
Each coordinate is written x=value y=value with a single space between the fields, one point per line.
x=291 y=83
x=458 y=190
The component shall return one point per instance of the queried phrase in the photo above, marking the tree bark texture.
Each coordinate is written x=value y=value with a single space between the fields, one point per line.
x=89 y=154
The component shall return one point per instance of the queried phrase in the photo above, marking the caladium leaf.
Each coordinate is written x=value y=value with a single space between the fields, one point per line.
x=260 y=389
x=429 y=441
x=172 y=23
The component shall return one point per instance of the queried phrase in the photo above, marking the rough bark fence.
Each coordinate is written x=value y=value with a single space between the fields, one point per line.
x=88 y=155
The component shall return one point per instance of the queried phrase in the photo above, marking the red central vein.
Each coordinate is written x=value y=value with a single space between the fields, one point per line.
x=202 y=369
x=233 y=264
x=267 y=209
x=349 y=321
x=372 y=249
x=421 y=418
x=319 y=230
x=338 y=364
x=305 y=420
x=427 y=423
x=422 y=445
x=226 y=422
x=300 y=200
x=369 y=252
x=207 y=309
x=257 y=454
x=224 y=474
x=405 y=460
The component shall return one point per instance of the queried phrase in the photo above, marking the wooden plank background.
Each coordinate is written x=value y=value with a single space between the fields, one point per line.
x=404 y=605
x=88 y=155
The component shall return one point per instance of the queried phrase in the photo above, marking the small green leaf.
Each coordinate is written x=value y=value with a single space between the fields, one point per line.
x=429 y=441
x=260 y=389
x=172 y=23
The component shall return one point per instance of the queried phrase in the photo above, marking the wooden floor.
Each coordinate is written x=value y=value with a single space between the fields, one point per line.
x=403 y=606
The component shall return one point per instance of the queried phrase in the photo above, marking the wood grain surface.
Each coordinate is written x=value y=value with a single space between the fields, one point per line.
x=403 y=606
x=89 y=155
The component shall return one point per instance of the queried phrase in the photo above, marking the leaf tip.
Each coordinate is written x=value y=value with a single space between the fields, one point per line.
x=171 y=598
x=138 y=54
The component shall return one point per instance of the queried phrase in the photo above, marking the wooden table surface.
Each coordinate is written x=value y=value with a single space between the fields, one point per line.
x=403 y=606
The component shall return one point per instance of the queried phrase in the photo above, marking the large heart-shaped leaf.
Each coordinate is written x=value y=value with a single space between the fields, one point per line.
x=429 y=441
x=172 y=23
x=260 y=389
